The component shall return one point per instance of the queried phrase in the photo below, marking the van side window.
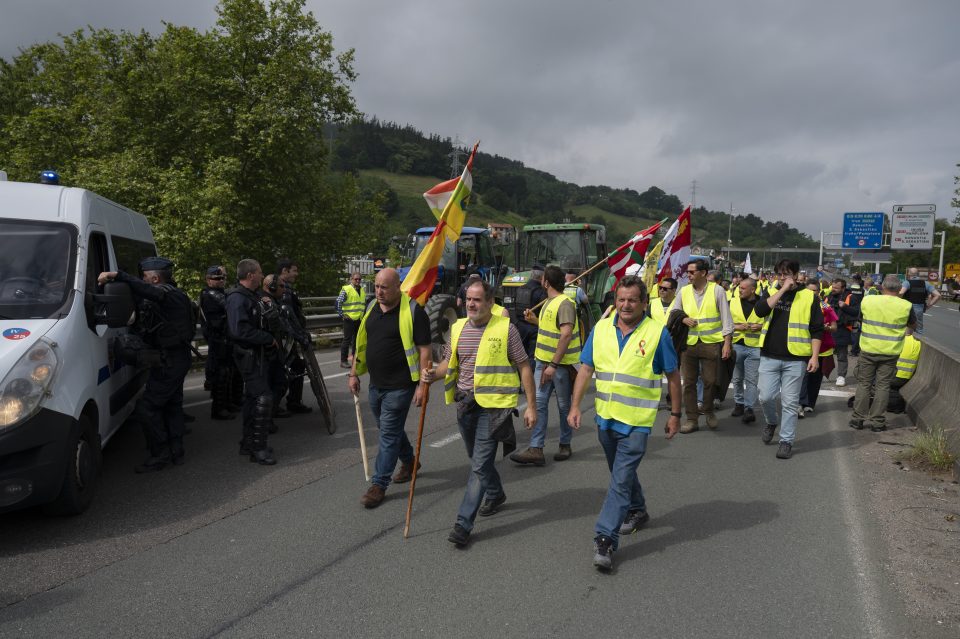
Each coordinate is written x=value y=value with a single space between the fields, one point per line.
x=130 y=252
x=98 y=261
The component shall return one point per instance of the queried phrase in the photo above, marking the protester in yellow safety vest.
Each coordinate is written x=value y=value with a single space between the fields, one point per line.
x=884 y=321
x=789 y=348
x=667 y=291
x=395 y=332
x=906 y=367
x=746 y=344
x=350 y=304
x=709 y=339
x=573 y=290
x=558 y=349
x=483 y=368
x=628 y=353
x=810 y=390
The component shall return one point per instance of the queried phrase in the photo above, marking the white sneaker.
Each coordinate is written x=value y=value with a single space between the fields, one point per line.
x=841 y=381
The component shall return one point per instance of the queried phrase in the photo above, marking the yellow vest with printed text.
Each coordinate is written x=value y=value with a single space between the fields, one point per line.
x=627 y=388
x=496 y=383
x=406 y=336
x=798 y=325
x=709 y=326
x=883 y=324
x=548 y=334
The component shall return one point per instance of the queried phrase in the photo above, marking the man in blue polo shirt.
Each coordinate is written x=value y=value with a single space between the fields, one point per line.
x=629 y=353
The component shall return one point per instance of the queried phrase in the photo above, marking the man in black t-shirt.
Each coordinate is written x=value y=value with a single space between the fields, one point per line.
x=393 y=344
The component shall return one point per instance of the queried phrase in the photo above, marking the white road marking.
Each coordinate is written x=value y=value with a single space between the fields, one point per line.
x=449 y=439
x=191 y=405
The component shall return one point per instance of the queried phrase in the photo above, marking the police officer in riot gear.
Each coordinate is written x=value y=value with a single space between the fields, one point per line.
x=165 y=323
x=526 y=297
x=213 y=323
x=288 y=271
x=252 y=344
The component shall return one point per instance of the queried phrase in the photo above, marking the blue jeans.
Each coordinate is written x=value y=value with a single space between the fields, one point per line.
x=783 y=377
x=624 y=494
x=482 y=450
x=918 y=310
x=745 y=374
x=390 y=407
x=561 y=384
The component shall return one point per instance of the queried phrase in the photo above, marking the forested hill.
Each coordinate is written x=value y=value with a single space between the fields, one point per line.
x=400 y=163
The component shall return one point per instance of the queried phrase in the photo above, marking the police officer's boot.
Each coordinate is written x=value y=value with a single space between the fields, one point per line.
x=295 y=396
x=220 y=394
x=262 y=419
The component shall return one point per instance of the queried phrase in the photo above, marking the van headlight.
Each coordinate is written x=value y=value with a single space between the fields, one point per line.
x=27 y=383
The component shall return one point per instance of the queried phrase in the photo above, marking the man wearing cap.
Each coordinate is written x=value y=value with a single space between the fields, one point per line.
x=252 y=346
x=349 y=305
x=165 y=322
x=213 y=324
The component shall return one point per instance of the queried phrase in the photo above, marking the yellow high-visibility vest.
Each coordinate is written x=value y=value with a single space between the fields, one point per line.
x=657 y=311
x=548 y=334
x=749 y=338
x=798 y=325
x=909 y=356
x=496 y=383
x=709 y=325
x=353 y=305
x=627 y=388
x=406 y=336
x=884 y=324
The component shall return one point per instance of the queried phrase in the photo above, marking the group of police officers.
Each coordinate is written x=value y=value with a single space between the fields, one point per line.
x=252 y=331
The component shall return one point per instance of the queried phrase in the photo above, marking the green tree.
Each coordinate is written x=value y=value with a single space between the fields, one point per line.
x=217 y=137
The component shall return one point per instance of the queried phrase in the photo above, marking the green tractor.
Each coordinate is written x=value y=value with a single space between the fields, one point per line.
x=473 y=252
x=569 y=246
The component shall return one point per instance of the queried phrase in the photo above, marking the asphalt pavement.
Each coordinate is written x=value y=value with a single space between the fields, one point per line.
x=942 y=324
x=740 y=544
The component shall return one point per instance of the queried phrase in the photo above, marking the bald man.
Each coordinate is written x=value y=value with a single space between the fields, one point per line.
x=393 y=344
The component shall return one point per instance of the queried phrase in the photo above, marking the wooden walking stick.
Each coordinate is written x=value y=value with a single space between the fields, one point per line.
x=363 y=438
x=416 y=457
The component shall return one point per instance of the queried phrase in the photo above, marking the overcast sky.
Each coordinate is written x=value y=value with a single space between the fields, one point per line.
x=789 y=110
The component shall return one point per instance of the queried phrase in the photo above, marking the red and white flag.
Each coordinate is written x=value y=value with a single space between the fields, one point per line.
x=676 y=250
x=631 y=253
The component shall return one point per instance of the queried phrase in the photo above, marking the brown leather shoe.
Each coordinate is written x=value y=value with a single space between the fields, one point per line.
x=373 y=497
x=405 y=473
x=563 y=453
x=529 y=456
x=689 y=426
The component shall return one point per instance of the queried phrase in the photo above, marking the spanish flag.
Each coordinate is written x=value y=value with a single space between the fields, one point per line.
x=452 y=195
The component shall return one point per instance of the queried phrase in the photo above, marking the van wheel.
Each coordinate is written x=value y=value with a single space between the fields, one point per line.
x=81 y=473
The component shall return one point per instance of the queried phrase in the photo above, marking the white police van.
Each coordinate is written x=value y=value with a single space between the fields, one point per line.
x=63 y=393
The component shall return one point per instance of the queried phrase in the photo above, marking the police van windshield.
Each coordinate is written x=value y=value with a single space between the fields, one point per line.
x=36 y=268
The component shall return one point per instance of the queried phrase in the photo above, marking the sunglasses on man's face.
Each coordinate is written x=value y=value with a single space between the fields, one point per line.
x=665 y=288
x=217 y=277
x=693 y=272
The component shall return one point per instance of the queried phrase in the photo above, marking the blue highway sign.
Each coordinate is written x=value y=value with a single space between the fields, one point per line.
x=863 y=230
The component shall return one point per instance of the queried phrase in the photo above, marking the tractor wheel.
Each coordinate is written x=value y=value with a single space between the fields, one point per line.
x=442 y=311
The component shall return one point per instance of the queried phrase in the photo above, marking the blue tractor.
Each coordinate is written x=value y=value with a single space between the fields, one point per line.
x=472 y=253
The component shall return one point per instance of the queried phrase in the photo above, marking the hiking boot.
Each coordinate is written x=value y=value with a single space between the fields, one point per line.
x=529 y=456
x=459 y=536
x=767 y=435
x=298 y=407
x=491 y=506
x=634 y=521
x=856 y=423
x=712 y=421
x=603 y=553
x=373 y=497
x=689 y=426
x=564 y=453
x=405 y=473
x=785 y=450
x=748 y=416
x=737 y=410
x=878 y=429
x=264 y=457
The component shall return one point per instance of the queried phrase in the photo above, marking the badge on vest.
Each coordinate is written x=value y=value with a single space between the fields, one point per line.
x=641 y=348
x=496 y=345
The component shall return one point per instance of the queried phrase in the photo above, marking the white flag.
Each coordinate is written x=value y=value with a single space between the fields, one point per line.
x=747 y=267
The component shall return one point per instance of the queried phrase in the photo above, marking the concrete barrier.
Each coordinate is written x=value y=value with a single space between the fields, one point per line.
x=933 y=394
